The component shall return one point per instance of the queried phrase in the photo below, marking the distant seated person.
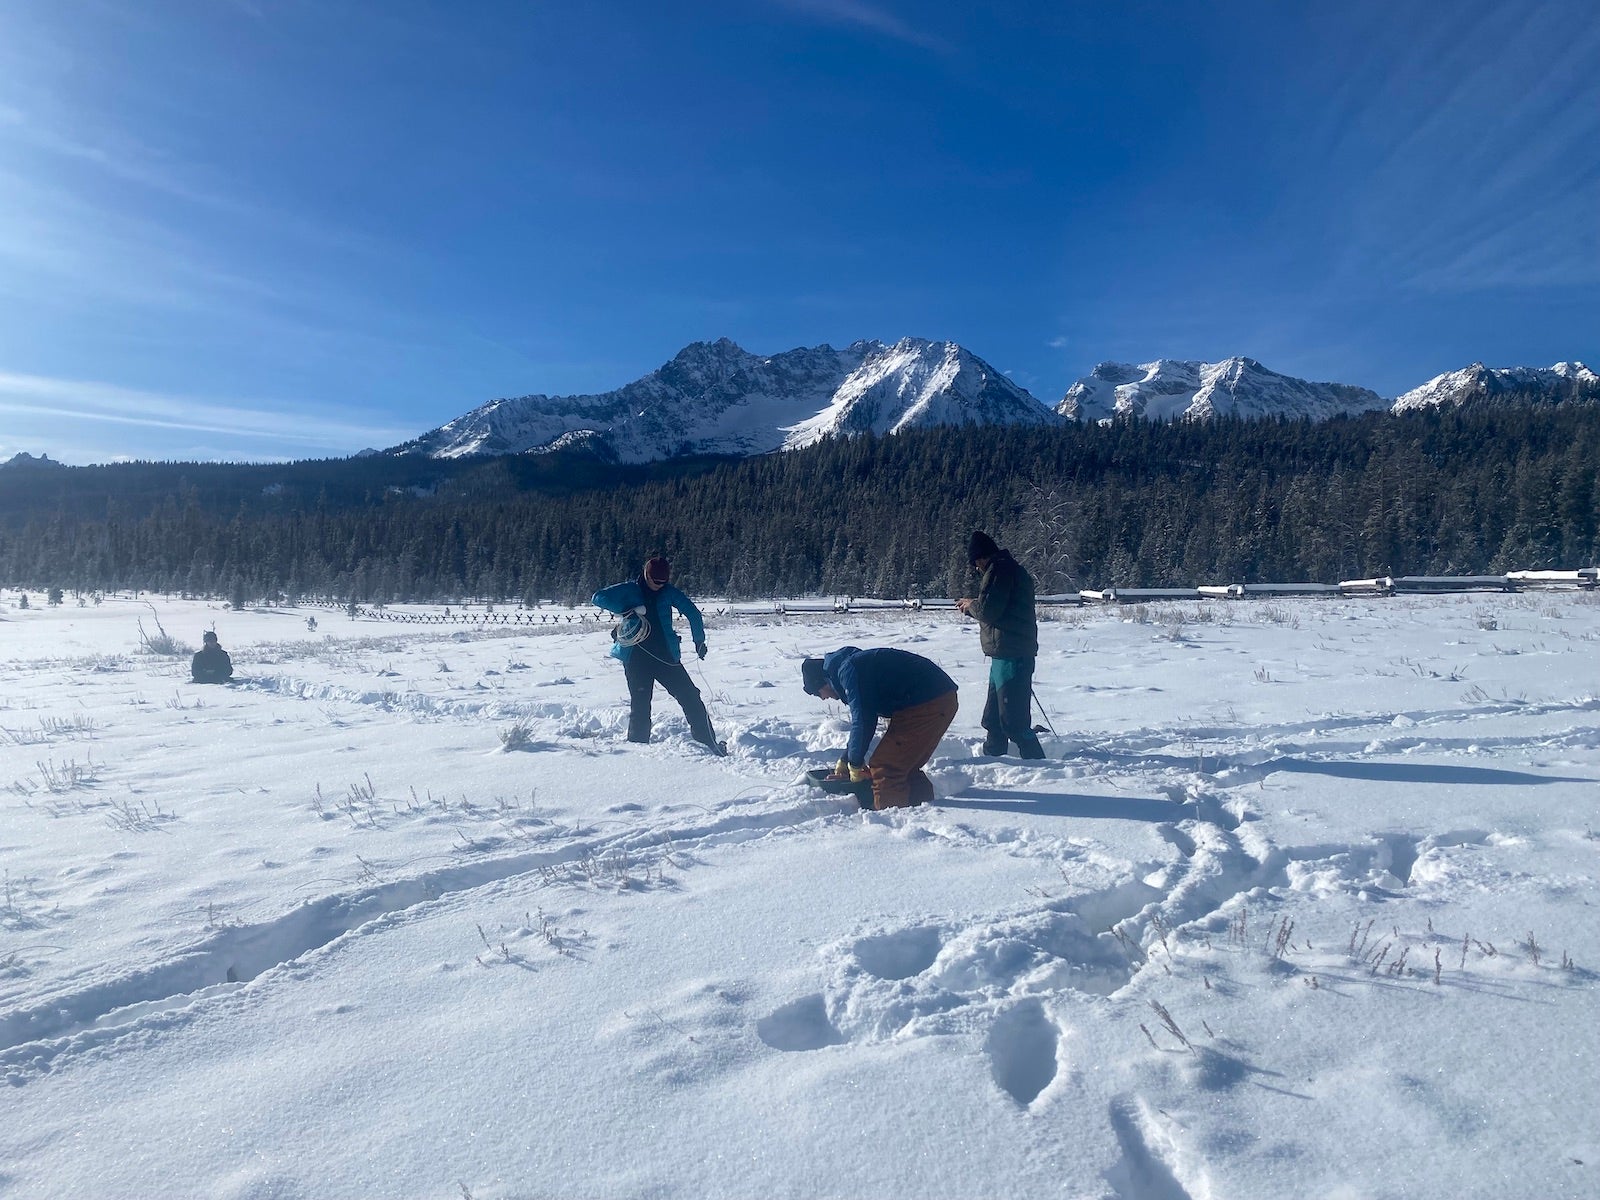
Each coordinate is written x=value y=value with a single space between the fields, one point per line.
x=211 y=662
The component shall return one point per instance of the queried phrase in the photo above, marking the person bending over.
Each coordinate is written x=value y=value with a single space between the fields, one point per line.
x=918 y=698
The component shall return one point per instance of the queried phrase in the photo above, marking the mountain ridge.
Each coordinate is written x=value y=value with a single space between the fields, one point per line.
x=1564 y=380
x=1180 y=389
x=23 y=461
x=716 y=399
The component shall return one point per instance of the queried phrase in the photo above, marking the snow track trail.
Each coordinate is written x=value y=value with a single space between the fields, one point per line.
x=420 y=889
x=235 y=954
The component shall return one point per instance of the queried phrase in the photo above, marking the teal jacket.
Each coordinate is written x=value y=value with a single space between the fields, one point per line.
x=625 y=597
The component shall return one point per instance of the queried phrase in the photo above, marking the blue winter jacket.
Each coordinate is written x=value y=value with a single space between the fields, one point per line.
x=879 y=683
x=625 y=597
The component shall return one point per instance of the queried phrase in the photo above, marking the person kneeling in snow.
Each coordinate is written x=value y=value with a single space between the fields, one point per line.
x=918 y=698
x=649 y=649
x=211 y=663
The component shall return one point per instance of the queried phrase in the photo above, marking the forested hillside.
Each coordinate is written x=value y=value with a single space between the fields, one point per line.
x=1465 y=490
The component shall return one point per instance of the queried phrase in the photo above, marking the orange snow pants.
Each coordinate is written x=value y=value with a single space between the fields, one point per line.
x=909 y=741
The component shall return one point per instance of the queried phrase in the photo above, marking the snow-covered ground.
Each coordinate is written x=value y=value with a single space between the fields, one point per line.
x=1303 y=904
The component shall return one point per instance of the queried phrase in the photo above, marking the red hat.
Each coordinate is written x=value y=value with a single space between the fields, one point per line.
x=658 y=570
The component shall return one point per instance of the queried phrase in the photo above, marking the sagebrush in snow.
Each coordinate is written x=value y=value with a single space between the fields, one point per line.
x=516 y=737
x=161 y=643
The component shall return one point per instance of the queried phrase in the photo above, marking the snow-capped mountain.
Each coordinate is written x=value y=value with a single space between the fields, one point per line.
x=1171 y=390
x=914 y=384
x=715 y=398
x=1560 y=382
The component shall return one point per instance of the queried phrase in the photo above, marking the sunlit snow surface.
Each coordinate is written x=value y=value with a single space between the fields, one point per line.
x=1302 y=904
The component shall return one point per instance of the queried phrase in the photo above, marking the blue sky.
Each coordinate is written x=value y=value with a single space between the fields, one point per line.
x=262 y=229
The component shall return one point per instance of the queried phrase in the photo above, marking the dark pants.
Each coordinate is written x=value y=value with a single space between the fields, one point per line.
x=643 y=672
x=1008 y=708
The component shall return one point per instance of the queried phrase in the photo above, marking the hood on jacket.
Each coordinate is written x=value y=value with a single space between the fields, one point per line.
x=834 y=662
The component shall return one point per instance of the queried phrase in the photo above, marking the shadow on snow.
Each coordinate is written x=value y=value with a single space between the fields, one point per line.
x=1384 y=772
x=1053 y=804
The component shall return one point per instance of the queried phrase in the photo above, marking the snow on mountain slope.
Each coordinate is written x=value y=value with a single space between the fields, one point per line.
x=1170 y=390
x=915 y=384
x=716 y=398
x=1559 y=382
x=712 y=397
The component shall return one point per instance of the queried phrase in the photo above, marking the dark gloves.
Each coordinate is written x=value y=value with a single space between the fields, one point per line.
x=700 y=649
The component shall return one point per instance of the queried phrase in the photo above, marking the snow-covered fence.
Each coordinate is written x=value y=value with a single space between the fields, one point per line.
x=1243 y=591
x=1454 y=583
x=526 y=618
x=1585 y=578
x=1382 y=585
x=1136 y=595
x=836 y=604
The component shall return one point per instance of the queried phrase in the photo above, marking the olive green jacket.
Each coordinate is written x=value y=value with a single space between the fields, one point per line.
x=1007 y=625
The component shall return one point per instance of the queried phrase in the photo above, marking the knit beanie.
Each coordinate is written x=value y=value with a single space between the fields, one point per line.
x=658 y=570
x=812 y=677
x=981 y=546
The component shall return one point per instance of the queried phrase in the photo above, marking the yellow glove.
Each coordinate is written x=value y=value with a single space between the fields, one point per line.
x=841 y=769
x=860 y=774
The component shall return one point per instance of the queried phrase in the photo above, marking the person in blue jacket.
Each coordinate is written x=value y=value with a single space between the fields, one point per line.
x=648 y=647
x=918 y=698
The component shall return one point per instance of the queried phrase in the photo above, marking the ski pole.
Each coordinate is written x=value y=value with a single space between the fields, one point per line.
x=1042 y=712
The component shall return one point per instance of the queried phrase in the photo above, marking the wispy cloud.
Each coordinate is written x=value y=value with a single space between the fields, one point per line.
x=865 y=16
x=53 y=238
x=145 y=276
x=127 y=162
x=248 y=426
x=1463 y=168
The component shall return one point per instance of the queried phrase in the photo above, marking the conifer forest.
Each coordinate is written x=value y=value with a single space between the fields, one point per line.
x=1476 y=489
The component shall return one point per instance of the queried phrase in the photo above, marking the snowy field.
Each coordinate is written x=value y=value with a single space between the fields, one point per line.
x=1302 y=904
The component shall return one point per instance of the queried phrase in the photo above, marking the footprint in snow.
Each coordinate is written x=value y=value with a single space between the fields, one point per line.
x=901 y=954
x=1022 y=1051
x=799 y=1025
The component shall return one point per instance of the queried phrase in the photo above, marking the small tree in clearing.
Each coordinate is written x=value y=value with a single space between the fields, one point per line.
x=161 y=642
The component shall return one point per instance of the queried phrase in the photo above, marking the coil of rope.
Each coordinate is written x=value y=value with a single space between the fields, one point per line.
x=631 y=630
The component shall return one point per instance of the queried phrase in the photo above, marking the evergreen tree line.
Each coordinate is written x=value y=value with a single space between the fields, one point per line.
x=1467 y=490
